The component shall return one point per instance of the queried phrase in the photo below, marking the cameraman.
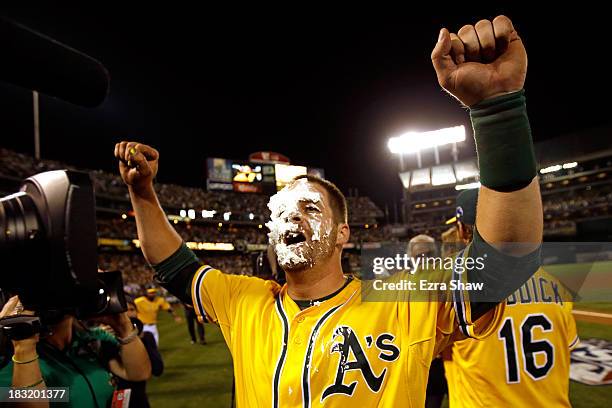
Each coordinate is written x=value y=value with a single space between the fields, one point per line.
x=72 y=356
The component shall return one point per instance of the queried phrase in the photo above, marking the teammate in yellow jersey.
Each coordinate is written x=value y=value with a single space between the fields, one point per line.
x=148 y=306
x=527 y=361
x=315 y=341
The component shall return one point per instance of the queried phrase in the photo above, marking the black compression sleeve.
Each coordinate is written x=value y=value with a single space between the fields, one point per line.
x=501 y=276
x=180 y=284
x=176 y=273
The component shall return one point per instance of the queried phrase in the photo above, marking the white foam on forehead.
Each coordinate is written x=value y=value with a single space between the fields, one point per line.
x=291 y=195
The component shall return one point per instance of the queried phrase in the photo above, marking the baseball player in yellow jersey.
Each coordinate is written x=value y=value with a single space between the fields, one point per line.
x=527 y=361
x=313 y=341
x=148 y=306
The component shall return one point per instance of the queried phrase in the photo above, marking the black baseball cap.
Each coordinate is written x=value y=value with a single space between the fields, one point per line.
x=466 y=207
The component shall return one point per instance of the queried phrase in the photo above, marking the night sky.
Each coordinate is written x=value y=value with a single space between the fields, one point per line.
x=326 y=88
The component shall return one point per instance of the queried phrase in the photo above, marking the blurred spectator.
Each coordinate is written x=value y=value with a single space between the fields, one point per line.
x=192 y=324
x=148 y=306
x=421 y=245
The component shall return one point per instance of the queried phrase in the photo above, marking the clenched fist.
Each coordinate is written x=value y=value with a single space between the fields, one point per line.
x=137 y=164
x=480 y=61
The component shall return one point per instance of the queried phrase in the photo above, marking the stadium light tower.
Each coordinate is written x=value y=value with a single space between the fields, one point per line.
x=415 y=142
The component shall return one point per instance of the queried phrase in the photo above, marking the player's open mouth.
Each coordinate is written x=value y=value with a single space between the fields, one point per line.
x=292 y=238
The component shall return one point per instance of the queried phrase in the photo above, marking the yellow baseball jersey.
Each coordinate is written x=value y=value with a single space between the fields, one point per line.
x=147 y=310
x=341 y=352
x=526 y=363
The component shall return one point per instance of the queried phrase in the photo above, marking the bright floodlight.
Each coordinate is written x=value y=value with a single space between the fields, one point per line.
x=208 y=213
x=413 y=142
x=191 y=214
x=226 y=216
x=570 y=165
x=467 y=186
x=465 y=170
x=421 y=177
x=441 y=175
x=551 y=169
x=183 y=213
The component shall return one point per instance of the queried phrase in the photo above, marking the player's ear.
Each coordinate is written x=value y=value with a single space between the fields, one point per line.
x=460 y=230
x=344 y=233
x=463 y=232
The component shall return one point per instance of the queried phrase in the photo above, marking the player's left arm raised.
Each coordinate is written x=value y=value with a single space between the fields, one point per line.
x=484 y=66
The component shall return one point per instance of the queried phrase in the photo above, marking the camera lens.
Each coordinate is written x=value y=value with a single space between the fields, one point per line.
x=18 y=221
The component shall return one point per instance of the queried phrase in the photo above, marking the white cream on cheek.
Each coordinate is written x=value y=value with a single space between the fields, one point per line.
x=318 y=230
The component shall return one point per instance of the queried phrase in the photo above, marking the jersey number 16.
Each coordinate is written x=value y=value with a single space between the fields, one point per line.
x=529 y=348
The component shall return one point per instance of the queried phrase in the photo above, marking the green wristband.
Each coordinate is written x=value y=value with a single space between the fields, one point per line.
x=503 y=141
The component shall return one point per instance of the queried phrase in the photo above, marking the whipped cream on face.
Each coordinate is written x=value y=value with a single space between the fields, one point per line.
x=318 y=231
x=282 y=205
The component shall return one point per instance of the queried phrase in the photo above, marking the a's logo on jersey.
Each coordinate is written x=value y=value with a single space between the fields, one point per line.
x=353 y=358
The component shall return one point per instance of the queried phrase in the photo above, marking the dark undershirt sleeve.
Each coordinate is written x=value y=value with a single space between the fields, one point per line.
x=176 y=273
x=502 y=274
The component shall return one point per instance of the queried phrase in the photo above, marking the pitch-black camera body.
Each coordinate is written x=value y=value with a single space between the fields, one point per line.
x=48 y=244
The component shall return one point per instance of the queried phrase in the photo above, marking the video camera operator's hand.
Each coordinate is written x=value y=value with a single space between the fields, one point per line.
x=120 y=323
x=13 y=308
x=137 y=164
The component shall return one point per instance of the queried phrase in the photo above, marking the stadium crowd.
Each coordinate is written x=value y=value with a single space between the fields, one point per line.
x=137 y=274
x=126 y=229
x=135 y=270
x=18 y=165
x=590 y=202
x=362 y=210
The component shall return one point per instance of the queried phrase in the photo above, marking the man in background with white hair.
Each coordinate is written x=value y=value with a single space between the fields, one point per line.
x=422 y=245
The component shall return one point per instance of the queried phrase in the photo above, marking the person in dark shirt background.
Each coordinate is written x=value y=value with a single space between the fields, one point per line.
x=193 y=323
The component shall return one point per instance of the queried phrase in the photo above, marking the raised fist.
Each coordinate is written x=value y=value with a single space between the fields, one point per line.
x=137 y=163
x=480 y=61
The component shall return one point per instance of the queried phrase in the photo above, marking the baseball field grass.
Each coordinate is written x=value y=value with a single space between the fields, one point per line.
x=194 y=375
x=201 y=376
